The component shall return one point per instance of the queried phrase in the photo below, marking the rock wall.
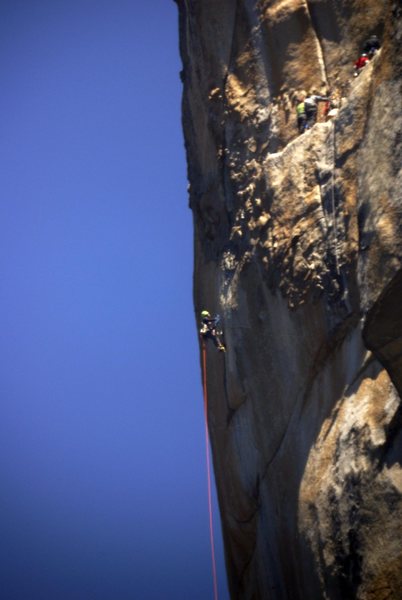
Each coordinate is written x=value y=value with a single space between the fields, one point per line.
x=298 y=245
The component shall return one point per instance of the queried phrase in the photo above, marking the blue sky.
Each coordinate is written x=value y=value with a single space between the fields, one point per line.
x=103 y=492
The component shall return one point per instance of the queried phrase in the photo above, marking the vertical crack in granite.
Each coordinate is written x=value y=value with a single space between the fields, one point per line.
x=298 y=245
x=320 y=54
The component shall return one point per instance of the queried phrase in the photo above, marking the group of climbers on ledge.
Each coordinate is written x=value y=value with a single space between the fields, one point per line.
x=307 y=104
x=307 y=108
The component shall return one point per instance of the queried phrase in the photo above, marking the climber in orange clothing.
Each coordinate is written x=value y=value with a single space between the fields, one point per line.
x=209 y=330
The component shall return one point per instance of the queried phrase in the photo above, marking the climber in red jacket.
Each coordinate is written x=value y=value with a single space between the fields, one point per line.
x=209 y=329
x=361 y=63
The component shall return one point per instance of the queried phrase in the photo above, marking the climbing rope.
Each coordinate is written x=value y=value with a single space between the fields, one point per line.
x=335 y=225
x=211 y=526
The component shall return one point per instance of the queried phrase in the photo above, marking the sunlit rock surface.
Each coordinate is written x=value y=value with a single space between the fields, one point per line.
x=298 y=245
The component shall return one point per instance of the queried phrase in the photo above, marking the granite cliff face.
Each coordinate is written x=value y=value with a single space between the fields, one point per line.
x=298 y=245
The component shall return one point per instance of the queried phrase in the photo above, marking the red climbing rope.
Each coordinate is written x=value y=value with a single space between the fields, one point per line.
x=211 y=526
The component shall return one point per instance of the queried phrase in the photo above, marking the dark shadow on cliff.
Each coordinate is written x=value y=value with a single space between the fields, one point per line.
x=382 y=334
x=293 y=436
x=325 y=24
x=382 y=331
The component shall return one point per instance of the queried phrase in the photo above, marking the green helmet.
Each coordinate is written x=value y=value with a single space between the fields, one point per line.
x=205 y=313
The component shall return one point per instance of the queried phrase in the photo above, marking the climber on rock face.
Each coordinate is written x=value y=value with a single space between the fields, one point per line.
x=371 y=46
x=209 y=330
x=311 y=107
x=301 y=115
x=360 y=64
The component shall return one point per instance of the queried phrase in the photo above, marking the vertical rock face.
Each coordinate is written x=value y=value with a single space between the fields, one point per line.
x=298 y=245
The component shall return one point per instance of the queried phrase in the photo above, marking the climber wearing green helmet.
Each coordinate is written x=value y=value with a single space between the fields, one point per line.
x=209 y=329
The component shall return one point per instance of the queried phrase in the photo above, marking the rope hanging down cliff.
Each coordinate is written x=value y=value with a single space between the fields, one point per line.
x=333 y=205
x=211 y=526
